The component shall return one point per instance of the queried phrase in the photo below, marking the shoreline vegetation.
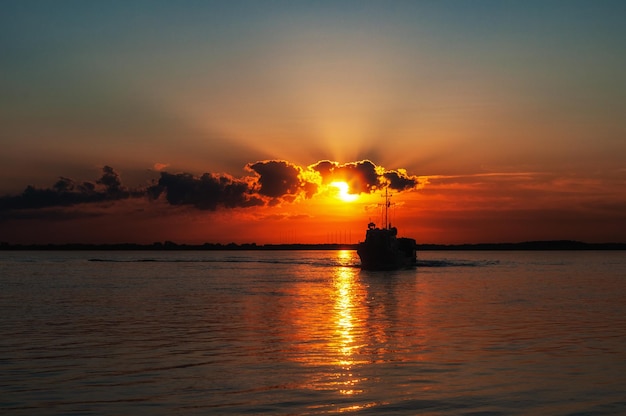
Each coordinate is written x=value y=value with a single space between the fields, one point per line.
x=169 y=245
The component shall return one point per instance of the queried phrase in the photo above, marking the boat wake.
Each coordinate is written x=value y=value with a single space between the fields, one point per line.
x=331 y=262
x=316 y=262
x=456 y=263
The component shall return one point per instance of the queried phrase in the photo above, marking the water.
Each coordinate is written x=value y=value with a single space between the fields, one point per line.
x=308 y=332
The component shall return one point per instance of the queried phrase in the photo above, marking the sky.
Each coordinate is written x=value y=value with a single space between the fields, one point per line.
x=240 y=121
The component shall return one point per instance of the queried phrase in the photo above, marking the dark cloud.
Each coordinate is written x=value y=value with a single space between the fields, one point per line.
x=208 y=191
x=111 y=181
x=65 y=192
x=400 y=181
x=325 y=168
x=272 y=182
x=361 y=176
x=277 y=178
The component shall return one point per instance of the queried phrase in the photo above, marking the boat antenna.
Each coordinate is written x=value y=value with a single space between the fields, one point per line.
x=387 y=204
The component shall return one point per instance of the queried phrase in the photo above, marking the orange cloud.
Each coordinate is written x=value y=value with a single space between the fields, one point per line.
x=364 y=176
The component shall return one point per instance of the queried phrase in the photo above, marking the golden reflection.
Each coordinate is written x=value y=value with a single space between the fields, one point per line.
x=328 y=331
x=344 y=319
x=345 y=258
x=344 y=344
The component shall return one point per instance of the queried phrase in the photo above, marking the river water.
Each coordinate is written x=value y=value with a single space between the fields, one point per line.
x=308 y=332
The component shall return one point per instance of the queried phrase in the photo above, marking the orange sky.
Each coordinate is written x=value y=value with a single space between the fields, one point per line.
x=489 y=207
x=505 y=119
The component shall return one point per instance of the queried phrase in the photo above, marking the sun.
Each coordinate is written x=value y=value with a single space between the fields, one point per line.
x=343 y=193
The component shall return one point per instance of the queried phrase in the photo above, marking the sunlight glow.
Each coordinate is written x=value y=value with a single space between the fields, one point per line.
x=344 y=193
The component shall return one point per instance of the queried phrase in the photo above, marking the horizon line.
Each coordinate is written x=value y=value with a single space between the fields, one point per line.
x=170 y=245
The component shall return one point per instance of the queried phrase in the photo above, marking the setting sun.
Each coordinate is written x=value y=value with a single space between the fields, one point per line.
x=344 y=193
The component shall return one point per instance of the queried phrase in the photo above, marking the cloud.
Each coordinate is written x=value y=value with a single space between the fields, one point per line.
x=160 y=166
x=400 y=180
x=207 y=192
x=111 y=181
x=66 y=192
x=365 y=176
x=271 y=182
x=277 y=178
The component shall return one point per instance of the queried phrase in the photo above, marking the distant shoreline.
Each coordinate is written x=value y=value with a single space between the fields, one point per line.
x=171 y=246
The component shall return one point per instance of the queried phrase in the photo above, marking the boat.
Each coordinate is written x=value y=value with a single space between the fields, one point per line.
x=383 y=249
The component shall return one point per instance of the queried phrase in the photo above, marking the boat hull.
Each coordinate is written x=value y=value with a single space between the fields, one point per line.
x=382 y=256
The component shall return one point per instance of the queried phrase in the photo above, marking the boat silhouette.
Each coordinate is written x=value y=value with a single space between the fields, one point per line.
x=383 y=249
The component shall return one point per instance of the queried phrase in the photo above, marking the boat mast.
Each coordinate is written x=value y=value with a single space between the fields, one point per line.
x=387 y=205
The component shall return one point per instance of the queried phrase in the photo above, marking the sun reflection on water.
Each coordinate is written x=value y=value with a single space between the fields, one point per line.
x=332 y=336
x=344 y=318
x=344 y=344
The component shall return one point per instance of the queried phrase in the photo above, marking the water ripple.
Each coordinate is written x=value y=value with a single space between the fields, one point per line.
x=298 y=333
